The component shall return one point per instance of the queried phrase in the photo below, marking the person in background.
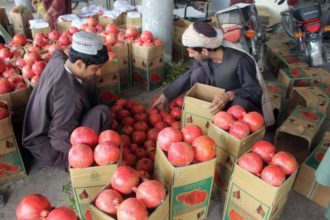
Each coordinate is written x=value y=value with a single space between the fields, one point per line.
x=52 y=9
x=59 y=103
x=216 y=65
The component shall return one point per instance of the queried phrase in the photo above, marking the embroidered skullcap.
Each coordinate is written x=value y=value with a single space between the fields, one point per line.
x=201 y=34
x=86 y=42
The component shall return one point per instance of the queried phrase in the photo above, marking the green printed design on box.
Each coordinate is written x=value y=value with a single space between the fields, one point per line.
x=149 y=79
x=274 y=87
x=239 y=200
x=191 y=197
x=295 y=73
x=316 y=157
x=202 y=122
x=310 y=114
x=326 y=89
x=301 y=82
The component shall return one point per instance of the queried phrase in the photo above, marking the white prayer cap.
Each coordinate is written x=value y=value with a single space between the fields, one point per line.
x=192 y=38
x=86 y=42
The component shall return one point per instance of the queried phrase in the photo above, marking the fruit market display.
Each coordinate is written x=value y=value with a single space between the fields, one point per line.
x=238 y=122
x=265 y=163
x=128 y=198
x=37 y=206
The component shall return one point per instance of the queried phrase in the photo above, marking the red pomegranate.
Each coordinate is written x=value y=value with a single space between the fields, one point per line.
x=204 y=148
x=80 y=156
x=237 y=112
x=176 y=125
x=167 y=136
x=19 y=40
x=145 y=164
x=111 y=39
x=176 y=113
x=63 y=213
x=239 y=129
x=273 y=175
x=141 y=126
x=151 y=192
x=128 y=121
x=111 y=28
x=141 y=117
x=154 y=118
x=131 y=32
x=255 y=120
x=27 y=72
x=91 y=21
x=108 y=201
x=5 y=53
x=124 y=179
x=53 y=35
x=180 y=154
x=32 y=207
x=110 y=135
x=38 y=67
x=153 y=133
x=31 y=57
x=132 y=209
x=20 y=63
x=223 y=120
x=3 y=65
x=5 y=86
x=286 y=161
x=179 y=100
x=137 y=108
x=251 y=162
x=265 y=150
x=128 y=130
x=20 y=86
x=139 y=137
x=84 y=135
x=34 y=80
x=106 y=153
x=146 y=36
x=4 y=113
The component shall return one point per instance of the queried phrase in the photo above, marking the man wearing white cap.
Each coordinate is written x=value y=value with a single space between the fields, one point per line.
x=59 y=103
x=216 y=65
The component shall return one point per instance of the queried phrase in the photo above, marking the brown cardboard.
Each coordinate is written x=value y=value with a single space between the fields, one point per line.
x=276 y=94
x=321 y=74
x=289 y=61
x=298 y=131
x=20 y=17
x=249 y=197
x=11 y=164
x=147 y=53
x=44 y=30
x=160 y=213
x=312 y=97
x=229 y=148
x=263 y=14
x=196 y=105
x=133 y=21
x=294 y=77
x=148 y=64
x=111 y=66
x=183 y=180
x=87 y=182
x=305 y=183
x=104 y=20
x=121 y=51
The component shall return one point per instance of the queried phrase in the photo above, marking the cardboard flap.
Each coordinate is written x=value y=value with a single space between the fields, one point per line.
x=6 y=128
x=121 y=51
x=147 y=52
x=110 y=67
x=167 y=173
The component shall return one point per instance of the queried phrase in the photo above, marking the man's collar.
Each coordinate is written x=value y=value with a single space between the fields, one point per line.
x=69 y=71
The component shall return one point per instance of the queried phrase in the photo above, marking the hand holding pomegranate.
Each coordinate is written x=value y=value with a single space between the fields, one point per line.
x=219 y=102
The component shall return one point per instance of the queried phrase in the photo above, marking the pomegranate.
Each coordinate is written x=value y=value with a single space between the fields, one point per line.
x=63 y=213
x=255 y=120
x=73 y=30
x=84 y=135
x=132 y=209
x=223 y=120
x=137 y=108
x=180 y=154
x=111 y=28
x=179 y=100
x=141 y=126
x=126 y=141
x=146 y=36
x=20 y=63
x=167 y=136
x=110 y=135
x=64 y=40
x=5 y=53
x=31 y=57
x=150 y=144
x=140 y=152
x=265 y=150
x=4 y=113
x=3 y=65
x=190 y=132
x=273 y=175
x=15 y=79
x=144 y=175
x=108 y=201
x=20 y=86
x=80 y=156
x=53 y=35
x=139 y=137
x=286 y=161
x=154 y=118
x=129 y=159
x=111 y=39
x=151 y=192
x=237 y=112
x=176 y=125
x=204 y=148
x=128 y=121
x=128 y=130
x=141 y=117
x=38 y=67
x=131 y=32
x=19 y=40
x=176 y=113
x=5 y=86
x=145 y=164
x=27 y=72
x=251 y=162
x=106 y=153
x=32 y=207
x=239 y=129
x=34 y=80
x=153 y=133
x=124 y=179
x=168 y=119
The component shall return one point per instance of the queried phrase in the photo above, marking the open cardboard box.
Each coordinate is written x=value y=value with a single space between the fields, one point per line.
x=181 y=181
x=276 y=94
x=196 y=106
x=298 y=131
x=147 y=53
x=321 y=74
x=305 y=183
x=249 y=197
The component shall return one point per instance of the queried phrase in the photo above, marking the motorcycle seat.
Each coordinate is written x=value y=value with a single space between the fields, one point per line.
x=306 y=12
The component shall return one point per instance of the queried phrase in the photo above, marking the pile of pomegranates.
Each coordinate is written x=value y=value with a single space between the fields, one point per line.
x=128 y=198
x=146 y=39
x=89 y=149
x=264 y=162
x=238 y=122
x=4 y=112
x=37 y=206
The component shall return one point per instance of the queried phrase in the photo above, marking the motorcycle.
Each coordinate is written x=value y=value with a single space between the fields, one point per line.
x=241 y=25
x=302 y=23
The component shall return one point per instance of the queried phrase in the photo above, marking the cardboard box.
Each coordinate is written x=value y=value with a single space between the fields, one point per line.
x=249 y=197
x=229 y=148
x=121 y=51
x=111 y=66
x=135 y=21
x=160 y=213
x=312 y=97
x=179 y=53
x=294 y=77
x=20 y=17
x=108 y=87
x=104 y=20
x=276 y=94
x=124 y=72
x=274 y=50
x=298 y=131
x=318 y=73
x=196 y=106
x=44 y=30
x=305 y=183
x=87 y=183
x=289 y=61
x=11 y=163
x=181 y=181
x=147 y=53
x=263 y=14
x=149 y=78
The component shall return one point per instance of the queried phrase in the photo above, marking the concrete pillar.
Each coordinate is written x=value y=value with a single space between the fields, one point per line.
x=157 y=17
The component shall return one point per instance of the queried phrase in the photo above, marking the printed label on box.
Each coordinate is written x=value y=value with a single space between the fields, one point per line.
x=202 y=122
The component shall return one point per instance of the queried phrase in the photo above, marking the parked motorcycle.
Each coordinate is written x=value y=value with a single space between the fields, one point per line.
x=242 y=26
x=303 y=25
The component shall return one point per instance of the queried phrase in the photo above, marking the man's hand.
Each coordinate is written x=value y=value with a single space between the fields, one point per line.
x=219 y=102
x=160 y=101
